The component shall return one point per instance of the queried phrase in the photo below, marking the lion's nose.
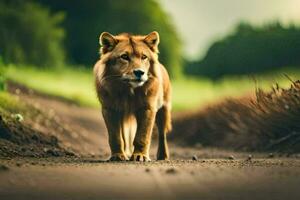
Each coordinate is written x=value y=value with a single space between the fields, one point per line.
x=138 y=73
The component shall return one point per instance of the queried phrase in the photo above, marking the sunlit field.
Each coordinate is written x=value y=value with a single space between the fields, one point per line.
x=188 y=92
x=192 y=92
x=73 y=84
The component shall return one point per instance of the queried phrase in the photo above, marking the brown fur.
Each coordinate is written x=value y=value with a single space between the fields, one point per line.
x=131 y=108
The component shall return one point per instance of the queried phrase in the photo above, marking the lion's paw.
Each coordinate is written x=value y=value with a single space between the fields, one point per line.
x=141 y=157
x=163 y=156
x=118 y=157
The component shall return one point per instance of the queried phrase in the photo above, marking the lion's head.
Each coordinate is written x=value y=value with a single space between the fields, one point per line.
x=129 y=58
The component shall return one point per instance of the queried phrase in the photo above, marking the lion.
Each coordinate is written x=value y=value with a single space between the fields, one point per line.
x=134 y=90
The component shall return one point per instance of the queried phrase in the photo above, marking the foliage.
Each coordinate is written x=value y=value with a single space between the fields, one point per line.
x=2 y=76
x=268 y=123
x=30 y=34
x=85 y=20
x=250 y=49
x=2 y=81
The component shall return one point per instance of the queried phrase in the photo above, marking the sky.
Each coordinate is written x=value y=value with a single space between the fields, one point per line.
x=209 y=20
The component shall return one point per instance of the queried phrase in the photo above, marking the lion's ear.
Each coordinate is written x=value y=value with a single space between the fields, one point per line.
x=107 y=42
x=152 y=40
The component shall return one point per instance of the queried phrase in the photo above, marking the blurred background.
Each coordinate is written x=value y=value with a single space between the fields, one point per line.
x=207 y=46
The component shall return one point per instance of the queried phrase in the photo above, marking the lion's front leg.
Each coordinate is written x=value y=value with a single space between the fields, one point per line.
x=113 y=120
x=145 y=121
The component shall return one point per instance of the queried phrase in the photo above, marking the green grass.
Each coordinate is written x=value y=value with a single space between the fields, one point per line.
x=10 y=104
x=73 y=84
x=188 y=93
x=192 y=92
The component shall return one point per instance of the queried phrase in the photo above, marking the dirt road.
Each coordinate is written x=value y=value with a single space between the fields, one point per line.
x=214 y=175
x=205 y=179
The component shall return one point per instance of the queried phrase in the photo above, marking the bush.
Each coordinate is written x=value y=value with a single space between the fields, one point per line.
x=30 y=34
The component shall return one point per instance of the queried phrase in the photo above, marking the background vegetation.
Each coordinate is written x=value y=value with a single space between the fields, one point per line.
x=250 y=49
x=30 y=34
x=2 y=77
x=51 y=45
x=267 y=123
x=42 y=32
x=85 y=20
x=188 y=93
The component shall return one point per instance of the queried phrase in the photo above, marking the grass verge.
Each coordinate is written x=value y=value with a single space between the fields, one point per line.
x=77 y=84
x=72 y=84
x=268 y=123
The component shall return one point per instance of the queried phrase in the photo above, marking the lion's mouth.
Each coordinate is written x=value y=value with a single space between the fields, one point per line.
x=134 y=80
x=137 y=80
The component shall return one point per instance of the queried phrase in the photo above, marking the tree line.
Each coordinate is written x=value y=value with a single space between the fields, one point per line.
x=49 y=33
x=250 y=49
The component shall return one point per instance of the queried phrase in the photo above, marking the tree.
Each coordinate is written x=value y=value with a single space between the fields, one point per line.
x=250 y=49
x=85 y=20
x=30 y=34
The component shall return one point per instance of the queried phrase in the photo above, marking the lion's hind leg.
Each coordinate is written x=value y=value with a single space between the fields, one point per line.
x=163 y=122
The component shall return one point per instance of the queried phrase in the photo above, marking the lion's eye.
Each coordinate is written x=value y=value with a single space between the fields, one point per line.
x=125 y=57
x=144 y=57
